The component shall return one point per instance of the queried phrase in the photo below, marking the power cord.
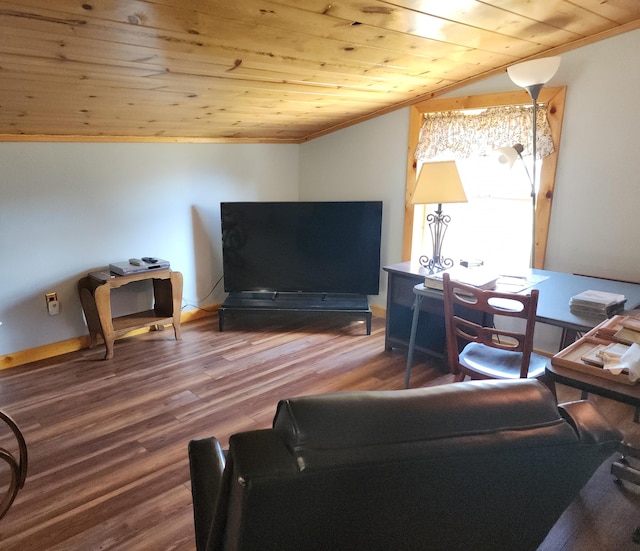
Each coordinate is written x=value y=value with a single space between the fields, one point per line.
x=187 y=302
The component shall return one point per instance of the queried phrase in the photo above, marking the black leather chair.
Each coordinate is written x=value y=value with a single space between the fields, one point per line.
x=479 y=465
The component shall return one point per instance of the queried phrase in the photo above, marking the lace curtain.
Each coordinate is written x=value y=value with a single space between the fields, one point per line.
x=459 y=135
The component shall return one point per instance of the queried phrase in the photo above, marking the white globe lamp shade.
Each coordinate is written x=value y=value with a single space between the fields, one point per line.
x=536 y=71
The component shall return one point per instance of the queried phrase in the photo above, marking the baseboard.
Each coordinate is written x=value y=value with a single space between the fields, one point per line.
x=78 y=343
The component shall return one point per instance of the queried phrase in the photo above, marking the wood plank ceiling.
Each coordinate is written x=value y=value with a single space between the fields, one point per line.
x=262 y=70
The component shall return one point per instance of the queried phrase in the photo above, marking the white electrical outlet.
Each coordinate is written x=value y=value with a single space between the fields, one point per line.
x=53 y=306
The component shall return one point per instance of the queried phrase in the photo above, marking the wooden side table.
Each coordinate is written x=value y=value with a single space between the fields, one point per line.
x=95 y=296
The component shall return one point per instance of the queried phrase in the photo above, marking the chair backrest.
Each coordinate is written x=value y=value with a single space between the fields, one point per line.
x=461 y=331
x=482 y=465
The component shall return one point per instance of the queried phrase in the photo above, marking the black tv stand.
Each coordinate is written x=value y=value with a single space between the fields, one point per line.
x=295 y=302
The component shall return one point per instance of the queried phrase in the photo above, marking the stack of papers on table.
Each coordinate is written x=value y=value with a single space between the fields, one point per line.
x=478 y=277
x=597 y=304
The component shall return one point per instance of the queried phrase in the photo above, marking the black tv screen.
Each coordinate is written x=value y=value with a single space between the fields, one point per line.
x=312 y=247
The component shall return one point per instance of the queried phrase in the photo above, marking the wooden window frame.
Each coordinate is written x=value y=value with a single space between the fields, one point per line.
x=554 y=98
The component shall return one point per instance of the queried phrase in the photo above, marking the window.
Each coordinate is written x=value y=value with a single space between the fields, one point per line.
x=495 y=224
x=554 y=100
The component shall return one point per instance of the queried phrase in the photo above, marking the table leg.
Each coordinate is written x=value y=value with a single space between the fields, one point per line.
x=167 y=295
x=621 y=469
x=412 y=338
x=90 y=312
x=102 y=297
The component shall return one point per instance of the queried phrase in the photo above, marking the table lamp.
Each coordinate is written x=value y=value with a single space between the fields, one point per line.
x=438 y=183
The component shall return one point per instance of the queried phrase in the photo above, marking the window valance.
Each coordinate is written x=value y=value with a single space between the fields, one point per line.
x=464 y=134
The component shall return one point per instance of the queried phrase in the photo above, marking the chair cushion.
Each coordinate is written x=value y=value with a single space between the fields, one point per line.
x=500 y=364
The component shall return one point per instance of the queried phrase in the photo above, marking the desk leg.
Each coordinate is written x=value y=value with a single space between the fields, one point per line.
x=102 y=297
x=412 y=338
x=569 y=336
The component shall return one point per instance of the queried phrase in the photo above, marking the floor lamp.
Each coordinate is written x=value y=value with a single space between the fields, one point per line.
x=532 y=76
x=438 y=183
x=508 y=156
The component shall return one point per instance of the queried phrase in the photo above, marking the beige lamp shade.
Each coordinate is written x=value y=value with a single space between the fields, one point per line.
x=438 y=182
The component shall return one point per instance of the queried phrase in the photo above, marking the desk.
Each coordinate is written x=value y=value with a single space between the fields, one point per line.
x=430 y=336
x=556 y=292
x=95 y=296
x=553 y=305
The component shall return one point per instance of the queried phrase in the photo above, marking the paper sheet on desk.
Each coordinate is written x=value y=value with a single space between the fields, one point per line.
x=515 y=284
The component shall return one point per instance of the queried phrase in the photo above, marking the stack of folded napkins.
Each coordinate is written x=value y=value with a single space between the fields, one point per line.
x=597 y=304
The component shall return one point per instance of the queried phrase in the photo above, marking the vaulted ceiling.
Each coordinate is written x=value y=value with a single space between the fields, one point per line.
x=262 y=70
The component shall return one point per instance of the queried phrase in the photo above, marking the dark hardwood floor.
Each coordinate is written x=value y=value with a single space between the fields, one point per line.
x=107 y=440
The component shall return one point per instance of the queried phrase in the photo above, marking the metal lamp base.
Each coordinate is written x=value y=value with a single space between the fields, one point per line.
x=438 y=224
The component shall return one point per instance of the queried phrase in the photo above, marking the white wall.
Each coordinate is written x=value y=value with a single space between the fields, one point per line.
x=66 y=209
x=594 y=225
x=365 y=162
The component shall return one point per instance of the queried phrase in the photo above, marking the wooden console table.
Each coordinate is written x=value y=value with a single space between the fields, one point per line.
x=95 y=296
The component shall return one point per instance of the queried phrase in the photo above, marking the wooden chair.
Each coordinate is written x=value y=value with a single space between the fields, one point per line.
x=18 y=466
x=481 y=352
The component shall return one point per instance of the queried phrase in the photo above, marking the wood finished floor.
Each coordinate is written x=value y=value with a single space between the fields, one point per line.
x=108 y=440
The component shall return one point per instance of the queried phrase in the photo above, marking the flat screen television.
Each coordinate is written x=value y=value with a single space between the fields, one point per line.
x=308 y=247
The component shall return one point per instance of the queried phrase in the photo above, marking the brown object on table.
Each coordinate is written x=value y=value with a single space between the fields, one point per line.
x=18 y=467
x=568 y=368
x=572 y=357
x=95 y=296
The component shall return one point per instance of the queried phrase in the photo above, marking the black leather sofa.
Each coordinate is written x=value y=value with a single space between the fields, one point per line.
x=482 y=465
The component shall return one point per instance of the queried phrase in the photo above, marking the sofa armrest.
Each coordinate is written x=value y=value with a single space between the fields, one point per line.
x=589 y=424
x=206 y=463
